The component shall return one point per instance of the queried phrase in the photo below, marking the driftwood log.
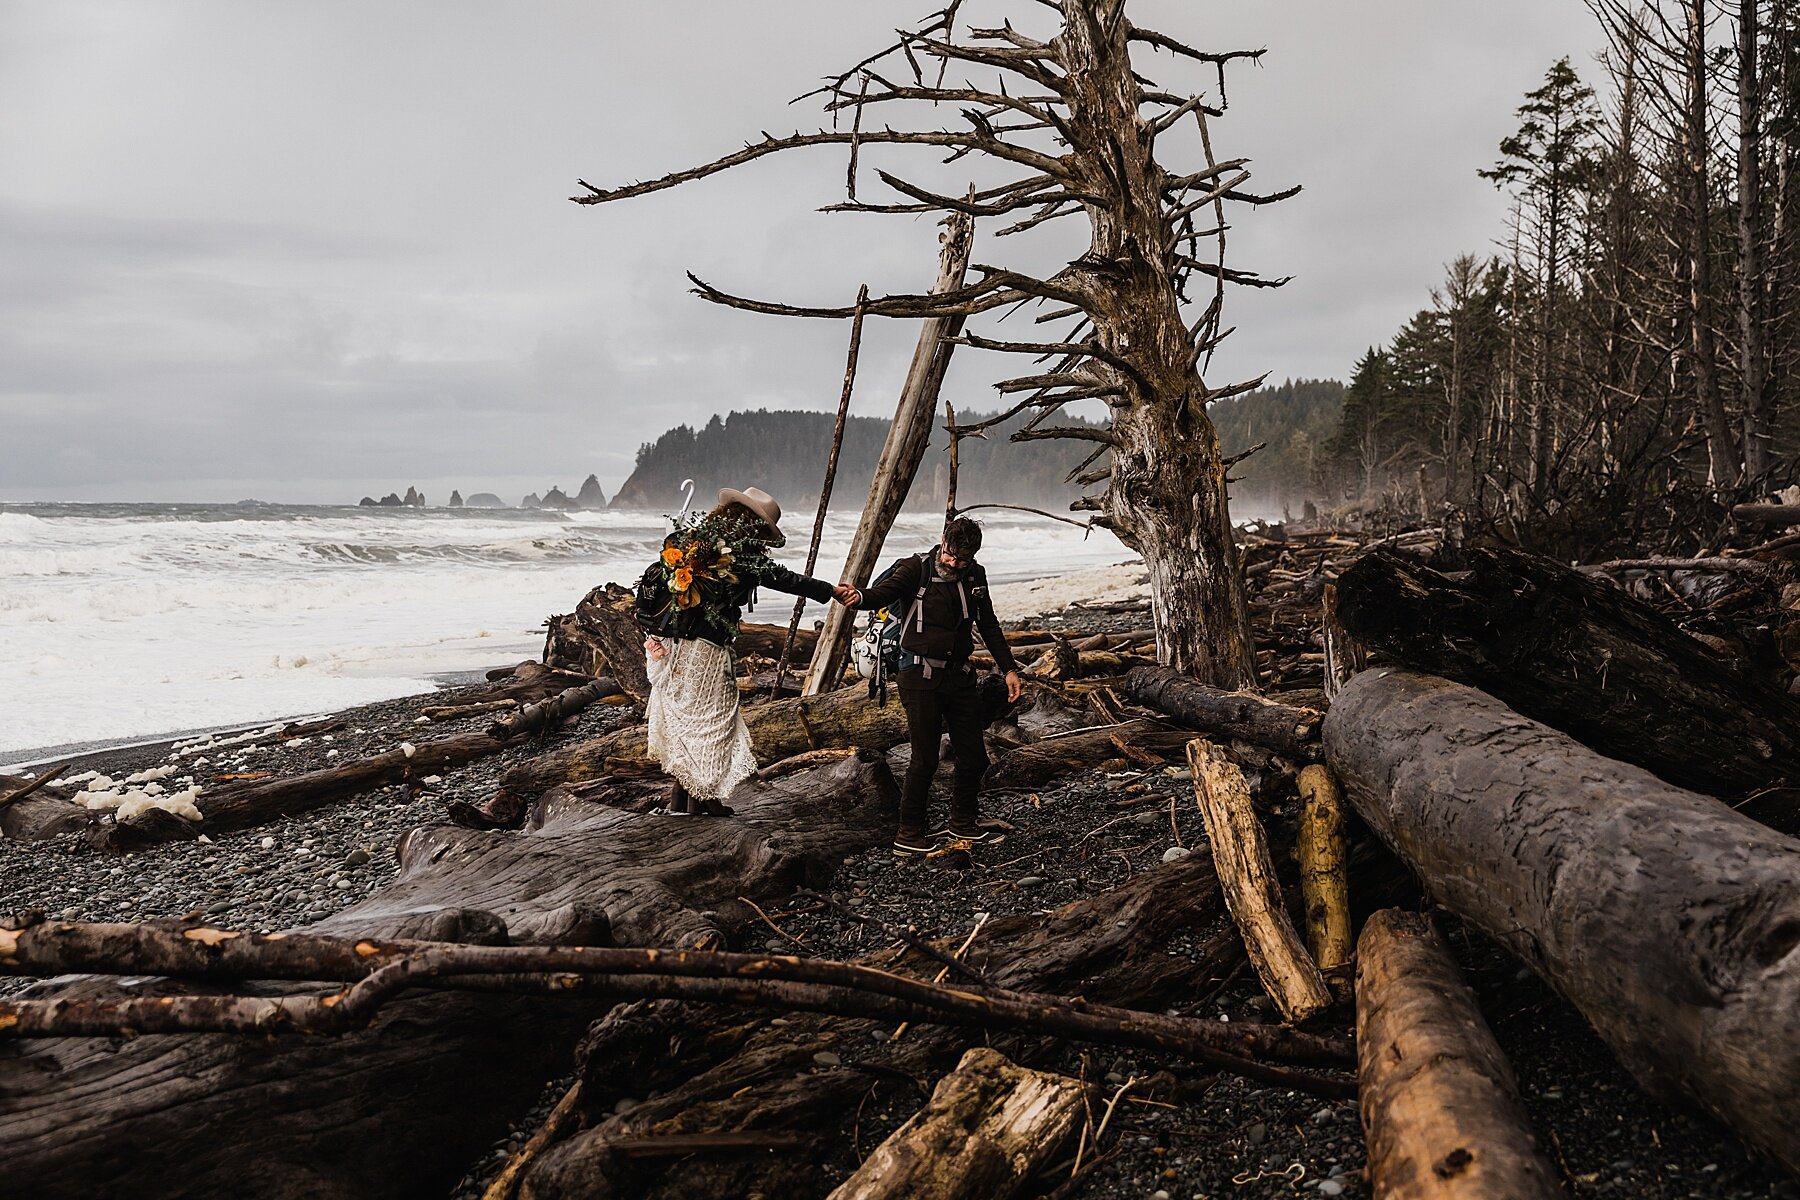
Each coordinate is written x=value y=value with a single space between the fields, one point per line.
x=600 y=637
x=249 y=804
x=1583 y=656
x=1283 y=727
x=1669 y=920
x=1240 y=854
x=705 y=1071
x=1440 y=1111
x=988 y=1127
x=1322 y=851
x=528 y=682
x=778 y=730
x=1037 y=763
x=324 y=1117
x=34 y=811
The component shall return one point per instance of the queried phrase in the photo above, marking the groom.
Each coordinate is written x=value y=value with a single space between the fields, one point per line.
x=942 y=595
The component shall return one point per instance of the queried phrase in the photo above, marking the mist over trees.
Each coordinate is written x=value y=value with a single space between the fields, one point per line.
x=784 y=453
x=1620 y=370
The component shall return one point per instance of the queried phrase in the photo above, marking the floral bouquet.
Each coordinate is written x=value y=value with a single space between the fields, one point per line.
x=688 y=561
x=709 y=549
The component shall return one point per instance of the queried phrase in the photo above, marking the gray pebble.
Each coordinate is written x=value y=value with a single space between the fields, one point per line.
x=1031 y=881
x=775 y=944
x=356 y=858
x=342 y=885
x=1176 y=854
x=1258 y=1132
x=1322 y=1116
x=624 y=1105
x=1147 y=819
x=1330 y=1187
x=826 y=1058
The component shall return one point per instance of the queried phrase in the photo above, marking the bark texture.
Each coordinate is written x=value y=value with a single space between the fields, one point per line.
x=218 y=1114
x=1585 y=657
x=1440 y=1111
x=1670 y=921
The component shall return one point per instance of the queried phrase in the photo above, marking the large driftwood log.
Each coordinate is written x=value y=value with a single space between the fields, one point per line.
x=1583 y=656
x=217 y=1114
x=1440 y=1110
x=778 y=730
x=1669 y=920
x=600 y=637
x=1240 y=855
x=705 y=1071
x=1282 y=727
x=988 y=1127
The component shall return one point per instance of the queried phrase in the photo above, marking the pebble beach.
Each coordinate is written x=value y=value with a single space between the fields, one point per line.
x=1213 y=1136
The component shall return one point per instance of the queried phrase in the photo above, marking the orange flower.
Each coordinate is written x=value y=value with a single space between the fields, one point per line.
x=671 y=556
x=684 y=579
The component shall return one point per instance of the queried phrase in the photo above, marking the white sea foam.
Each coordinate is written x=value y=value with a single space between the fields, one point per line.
x=121 y=621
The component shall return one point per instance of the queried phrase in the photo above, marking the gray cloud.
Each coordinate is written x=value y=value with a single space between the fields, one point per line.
x=312 y=251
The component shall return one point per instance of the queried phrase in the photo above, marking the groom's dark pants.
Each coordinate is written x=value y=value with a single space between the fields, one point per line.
x=950 y=699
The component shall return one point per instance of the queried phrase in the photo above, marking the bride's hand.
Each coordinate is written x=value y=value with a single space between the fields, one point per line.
x=654 y=649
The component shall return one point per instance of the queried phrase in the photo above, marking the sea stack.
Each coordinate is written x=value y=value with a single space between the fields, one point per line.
x=590 y=495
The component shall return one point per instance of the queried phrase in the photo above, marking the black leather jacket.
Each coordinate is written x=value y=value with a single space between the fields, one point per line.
x=659 y=615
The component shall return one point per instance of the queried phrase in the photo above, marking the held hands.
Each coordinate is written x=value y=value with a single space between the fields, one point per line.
x=654 y=649
x=1014 y=688
x=846 y=595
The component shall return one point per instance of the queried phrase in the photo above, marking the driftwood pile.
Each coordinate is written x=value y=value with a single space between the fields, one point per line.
x=1559 y=756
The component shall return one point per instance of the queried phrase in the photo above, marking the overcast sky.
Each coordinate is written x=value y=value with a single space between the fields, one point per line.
x=309 y=249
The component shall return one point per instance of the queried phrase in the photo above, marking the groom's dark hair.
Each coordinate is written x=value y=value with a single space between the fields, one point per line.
x=962 y=537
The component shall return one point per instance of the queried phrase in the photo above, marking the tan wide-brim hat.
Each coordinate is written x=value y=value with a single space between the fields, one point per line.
x=760 y=503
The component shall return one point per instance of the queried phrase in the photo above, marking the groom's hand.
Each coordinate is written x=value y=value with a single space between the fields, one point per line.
x=1014 y=687
x=846 y=595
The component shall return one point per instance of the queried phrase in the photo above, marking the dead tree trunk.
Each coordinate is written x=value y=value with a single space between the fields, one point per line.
x=1440 y=1110
x=1670 y=921
x=217 y=1114
x=1151 y=232
x=1585 y=657
x=985 y=1131
x=901 y=454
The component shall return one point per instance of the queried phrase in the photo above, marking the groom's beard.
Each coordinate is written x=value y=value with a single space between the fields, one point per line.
x=951 y=573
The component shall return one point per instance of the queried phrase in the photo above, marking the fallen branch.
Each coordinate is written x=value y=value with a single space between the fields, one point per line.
x=812 y=984
x=1241 y=857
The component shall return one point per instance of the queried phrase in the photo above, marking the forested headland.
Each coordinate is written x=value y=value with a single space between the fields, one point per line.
x=784 y=453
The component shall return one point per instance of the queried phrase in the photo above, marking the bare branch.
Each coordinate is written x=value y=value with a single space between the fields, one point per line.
x=774 y=145
x=1164 y=42
x=1081 y=433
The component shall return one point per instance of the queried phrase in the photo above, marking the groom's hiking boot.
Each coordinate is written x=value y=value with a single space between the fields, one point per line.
x=975 y=835
x=913 y=845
